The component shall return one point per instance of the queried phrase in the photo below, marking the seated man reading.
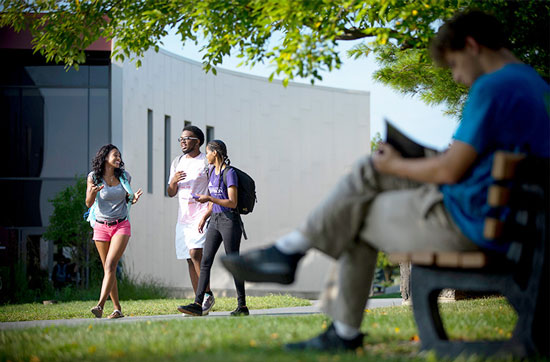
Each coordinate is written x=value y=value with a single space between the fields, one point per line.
x=398 y=204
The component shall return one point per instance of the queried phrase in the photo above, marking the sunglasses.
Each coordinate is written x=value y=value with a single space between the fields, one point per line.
x=185 y=139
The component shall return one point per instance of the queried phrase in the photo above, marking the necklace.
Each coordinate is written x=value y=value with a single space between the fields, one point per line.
x=111 y=179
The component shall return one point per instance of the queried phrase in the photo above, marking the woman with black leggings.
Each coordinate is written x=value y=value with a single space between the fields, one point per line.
x=224 y=224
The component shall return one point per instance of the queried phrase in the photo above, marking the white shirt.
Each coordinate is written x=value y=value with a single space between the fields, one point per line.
x=195 y=182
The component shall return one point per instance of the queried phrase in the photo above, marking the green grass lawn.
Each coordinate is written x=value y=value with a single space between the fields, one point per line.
x=392 y=336
x=389 y=295
x=81 y=309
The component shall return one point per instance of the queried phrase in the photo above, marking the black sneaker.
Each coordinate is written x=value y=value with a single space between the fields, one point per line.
x=240 y=311
x=191 y=309
x=328 y=341
x=263 y=265
x=208 y=303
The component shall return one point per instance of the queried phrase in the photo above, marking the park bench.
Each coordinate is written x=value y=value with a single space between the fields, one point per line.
x=519 y=201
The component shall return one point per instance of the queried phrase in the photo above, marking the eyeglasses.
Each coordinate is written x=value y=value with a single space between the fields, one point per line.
x=185 y=139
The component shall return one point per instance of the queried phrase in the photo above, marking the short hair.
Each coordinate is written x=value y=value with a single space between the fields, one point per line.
x=196 y=131
x=451 y=36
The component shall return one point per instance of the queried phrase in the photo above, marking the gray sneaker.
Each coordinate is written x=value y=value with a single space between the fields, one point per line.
x=208 y=303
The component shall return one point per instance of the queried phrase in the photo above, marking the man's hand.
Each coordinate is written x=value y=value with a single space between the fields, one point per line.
x=201 y=224
x=172 y=189
x=178 y=176
x=386 y=158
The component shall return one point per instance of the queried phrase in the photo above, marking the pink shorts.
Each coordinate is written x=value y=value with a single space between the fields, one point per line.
x=104 y=232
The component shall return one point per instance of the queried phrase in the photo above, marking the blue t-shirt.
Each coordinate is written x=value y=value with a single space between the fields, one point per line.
x=218 y=189
x=508 y=109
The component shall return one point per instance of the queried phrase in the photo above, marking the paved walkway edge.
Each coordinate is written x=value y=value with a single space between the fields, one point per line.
x=291 y=311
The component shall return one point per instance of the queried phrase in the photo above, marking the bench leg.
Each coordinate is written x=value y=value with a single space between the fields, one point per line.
x=427 y=283
x=532 y=305
x=541 y=325
x=426 y=310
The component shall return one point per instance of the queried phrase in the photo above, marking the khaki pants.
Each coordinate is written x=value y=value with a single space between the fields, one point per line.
x=366 y=212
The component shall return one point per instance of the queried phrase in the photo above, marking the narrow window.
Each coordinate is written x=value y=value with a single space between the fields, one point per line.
x=149 y=151
x=167 y=143
x=209 y=133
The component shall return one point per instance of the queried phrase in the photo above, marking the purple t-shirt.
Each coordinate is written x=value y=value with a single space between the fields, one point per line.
x=218 y=189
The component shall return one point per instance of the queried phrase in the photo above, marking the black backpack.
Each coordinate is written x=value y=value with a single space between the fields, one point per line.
x=246 y=190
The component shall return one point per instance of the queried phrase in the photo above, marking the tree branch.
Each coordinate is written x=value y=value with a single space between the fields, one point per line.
x=352 y=34
x=356 y=33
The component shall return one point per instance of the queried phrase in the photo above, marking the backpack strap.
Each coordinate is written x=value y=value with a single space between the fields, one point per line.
x=176 y=162
x=124 y=181
x=89 y=215
x=126 y=185
x=224 y=176
x=242 y=226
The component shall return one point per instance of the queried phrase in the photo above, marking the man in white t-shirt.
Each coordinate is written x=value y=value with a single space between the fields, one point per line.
x=188 y=177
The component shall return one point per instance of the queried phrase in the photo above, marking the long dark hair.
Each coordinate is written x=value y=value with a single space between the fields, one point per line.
x=221 y=149
x=98 y=163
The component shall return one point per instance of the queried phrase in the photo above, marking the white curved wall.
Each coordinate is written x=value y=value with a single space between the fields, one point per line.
x=295 y=142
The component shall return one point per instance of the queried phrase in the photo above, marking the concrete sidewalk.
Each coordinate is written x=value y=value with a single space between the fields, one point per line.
x=313 y=309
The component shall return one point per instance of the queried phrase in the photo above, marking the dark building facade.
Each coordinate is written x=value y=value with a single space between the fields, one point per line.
x=52 y=121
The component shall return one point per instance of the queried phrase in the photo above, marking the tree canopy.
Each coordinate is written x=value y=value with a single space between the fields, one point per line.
x=298 y=37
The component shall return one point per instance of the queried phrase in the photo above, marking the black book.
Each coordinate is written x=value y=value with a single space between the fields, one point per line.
x=407 y=147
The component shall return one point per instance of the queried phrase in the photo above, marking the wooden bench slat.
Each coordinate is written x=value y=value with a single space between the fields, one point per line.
x=447 y=259
x=504 y=165
x=492 y=228
x=455 y=259
x=474 y=259
x=498 y=196
x=451 y=259
x=397 y=258
x=423 y=258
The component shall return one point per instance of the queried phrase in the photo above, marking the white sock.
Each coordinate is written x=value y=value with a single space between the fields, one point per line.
x=293 y=243
x=344 y=331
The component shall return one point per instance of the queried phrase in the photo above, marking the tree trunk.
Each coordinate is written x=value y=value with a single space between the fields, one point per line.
x=405 y=271
x=387 y=274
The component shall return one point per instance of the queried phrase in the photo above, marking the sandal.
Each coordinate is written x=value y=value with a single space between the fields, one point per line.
x=116 y=314
x=97 y=311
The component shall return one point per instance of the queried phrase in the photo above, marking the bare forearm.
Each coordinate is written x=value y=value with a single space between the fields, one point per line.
x=223 y=202
x=429 y=170
x=209 y=211
x=172 y=189
x=90 y=199
x=446 y=168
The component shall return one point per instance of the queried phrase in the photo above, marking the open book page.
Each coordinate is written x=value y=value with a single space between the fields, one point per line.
x=407 y=147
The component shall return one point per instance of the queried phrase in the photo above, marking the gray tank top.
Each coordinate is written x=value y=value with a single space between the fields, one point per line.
x=111 y=201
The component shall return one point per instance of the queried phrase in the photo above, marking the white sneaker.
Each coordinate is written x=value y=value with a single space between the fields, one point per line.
x=208 y=303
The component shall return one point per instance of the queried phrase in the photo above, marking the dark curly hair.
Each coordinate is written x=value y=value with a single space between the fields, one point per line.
x=219 y=146
x=98 y=163
x=197 y=132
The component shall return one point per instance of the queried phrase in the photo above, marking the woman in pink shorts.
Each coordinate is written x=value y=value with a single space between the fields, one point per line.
x=108 y=184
